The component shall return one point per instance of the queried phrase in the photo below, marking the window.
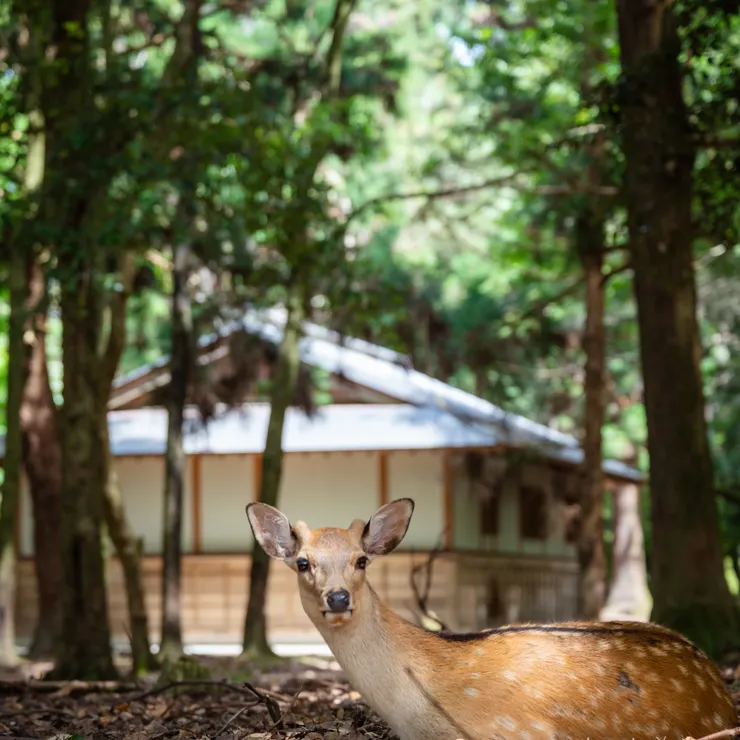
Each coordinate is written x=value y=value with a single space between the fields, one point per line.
x=532 y=513
x=489 y=506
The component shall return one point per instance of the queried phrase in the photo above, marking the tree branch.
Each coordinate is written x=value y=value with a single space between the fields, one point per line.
x=117 y=331
x=729 y=495
x=333 y=69
x=503 y=181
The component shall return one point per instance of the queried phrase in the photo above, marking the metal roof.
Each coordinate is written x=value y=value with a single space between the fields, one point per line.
x=437 y=414
x=333 y=428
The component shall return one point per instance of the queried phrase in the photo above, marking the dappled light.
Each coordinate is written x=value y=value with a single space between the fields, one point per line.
x=369 y=370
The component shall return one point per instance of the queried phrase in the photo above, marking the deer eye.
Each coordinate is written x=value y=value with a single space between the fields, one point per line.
x=361 y=563
x=303 y=565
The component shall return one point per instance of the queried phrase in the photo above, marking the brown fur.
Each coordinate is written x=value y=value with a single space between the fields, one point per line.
x=578 y=681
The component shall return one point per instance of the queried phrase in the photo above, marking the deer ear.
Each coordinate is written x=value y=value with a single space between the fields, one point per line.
x=387 y=527
x=272 y=530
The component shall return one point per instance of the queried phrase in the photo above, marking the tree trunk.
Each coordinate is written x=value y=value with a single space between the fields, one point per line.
x=84 y=652
x=43 y=465
x=281 y=392
x=127 y=548
x=180 y=365
x=13 y=462
x=592 y=563
x=689 y=587
x=629 y=596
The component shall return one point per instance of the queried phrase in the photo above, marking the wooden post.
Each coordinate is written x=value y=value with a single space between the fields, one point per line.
x=197 y=501
x=382 y=478
x=257 y=475
x=449 y=502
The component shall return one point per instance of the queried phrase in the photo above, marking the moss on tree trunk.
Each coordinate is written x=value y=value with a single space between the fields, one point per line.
x=688 y=583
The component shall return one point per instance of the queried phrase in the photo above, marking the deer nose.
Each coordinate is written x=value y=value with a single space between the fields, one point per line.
x=338 y=601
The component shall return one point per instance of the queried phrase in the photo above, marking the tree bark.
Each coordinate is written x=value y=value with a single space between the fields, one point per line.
x=592 y=563
x=282 y=389
x=84 y=651
x=689 y=587
x=13 y=462
x=43 y=466
x=629 y=596
x=181 y=359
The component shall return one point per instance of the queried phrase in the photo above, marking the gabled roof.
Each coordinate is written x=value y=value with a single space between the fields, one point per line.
x=462 y=415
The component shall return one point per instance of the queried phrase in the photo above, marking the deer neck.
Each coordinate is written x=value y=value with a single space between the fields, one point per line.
x=376 y=650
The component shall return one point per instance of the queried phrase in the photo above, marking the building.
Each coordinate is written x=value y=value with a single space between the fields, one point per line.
x=492 y=491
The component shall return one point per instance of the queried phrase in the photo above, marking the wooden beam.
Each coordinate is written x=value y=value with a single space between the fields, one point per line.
x=197 y=503
x=449 y=502
x=382 y=478
x=257 y=475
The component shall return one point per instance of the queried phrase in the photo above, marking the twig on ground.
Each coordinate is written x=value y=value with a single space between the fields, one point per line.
x=41 y=710
x=734 y=732
x=277 y=725
x=68 y=687
x=246 y=689
x=231 y=720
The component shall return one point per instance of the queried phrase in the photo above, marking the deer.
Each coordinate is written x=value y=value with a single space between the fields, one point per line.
x=552 y=681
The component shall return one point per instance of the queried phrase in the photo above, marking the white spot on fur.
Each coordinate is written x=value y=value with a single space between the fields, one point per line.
x=471 y=692
x=683 y=669
x=677 y=684
x=479 y=651
x=475 y=675
x=510 y=675
x=717 y=719
x=507 y=723
x=524 y=735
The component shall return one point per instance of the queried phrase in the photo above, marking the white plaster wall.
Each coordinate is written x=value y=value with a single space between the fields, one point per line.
x=420 y=476
x=227 y=486
x=142 y=487
x=329 y=489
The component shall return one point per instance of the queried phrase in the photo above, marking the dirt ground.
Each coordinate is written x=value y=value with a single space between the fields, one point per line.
x=308 y=699
x=299 y=699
